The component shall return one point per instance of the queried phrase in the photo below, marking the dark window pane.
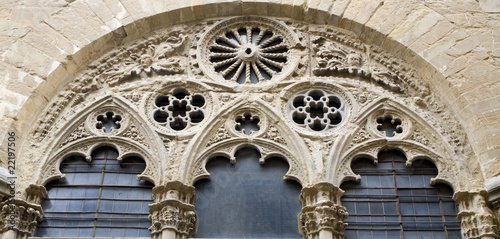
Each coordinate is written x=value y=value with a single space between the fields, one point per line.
x=410 y=202
x=247 y=199
x=72 y=204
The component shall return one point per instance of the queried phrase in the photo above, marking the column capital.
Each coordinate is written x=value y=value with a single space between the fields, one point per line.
x=173 y=210
x=20 y=216
x=321 y=211
x=476 y=218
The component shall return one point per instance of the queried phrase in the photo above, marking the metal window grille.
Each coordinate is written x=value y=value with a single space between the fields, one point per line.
x=396 y=201
x=97 y=199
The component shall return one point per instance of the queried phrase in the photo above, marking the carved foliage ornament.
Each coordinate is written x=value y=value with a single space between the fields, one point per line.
x=79 y=133
x=335 y=51
x=173 y=209
x=20 y=216
x=158 y=54
x=322 y=211
x=476 y=218
x=274 y=135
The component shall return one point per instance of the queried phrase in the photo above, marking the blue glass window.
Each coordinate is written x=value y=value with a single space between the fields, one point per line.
x=247 y=199
x=97 y=199
x=396 y=201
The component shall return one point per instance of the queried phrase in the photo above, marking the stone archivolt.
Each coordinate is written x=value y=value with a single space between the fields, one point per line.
x=370 y=82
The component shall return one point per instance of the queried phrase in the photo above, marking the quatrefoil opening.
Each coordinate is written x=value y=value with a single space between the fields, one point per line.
x=247 y=123
x=179 y=110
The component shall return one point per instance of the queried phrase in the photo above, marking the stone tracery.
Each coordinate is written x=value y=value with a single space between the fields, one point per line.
x=157 y=66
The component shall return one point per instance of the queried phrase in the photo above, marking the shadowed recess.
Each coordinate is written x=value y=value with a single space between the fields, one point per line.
x=246 y=199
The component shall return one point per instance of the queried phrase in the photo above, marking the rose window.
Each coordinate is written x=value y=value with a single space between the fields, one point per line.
x=247 y=50
x=317 y=110
x=248 y=54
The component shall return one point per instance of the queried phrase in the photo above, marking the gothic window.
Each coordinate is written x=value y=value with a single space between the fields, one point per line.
x=292 y=88
x=247 y=200
x=396 y=201
x=97 y=199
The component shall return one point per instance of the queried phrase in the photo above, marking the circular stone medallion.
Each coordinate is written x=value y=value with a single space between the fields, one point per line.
x=247 y=50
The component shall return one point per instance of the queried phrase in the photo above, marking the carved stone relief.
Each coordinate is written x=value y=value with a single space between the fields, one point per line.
x=476 y=218
x=248 y=50
x=191 y=90
x=338 y=51
x=322 y=212
x=173 y=210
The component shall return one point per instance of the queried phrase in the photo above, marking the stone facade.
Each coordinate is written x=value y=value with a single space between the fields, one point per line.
x=427 y=68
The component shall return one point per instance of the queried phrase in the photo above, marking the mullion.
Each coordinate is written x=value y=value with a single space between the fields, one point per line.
x=100 y=192
x=398 y=203
x=443 y=217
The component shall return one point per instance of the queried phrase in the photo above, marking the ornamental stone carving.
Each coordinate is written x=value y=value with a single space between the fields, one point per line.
x=172 y=213
x=322 y=216
x=317 y=110
x=248 y=50
x=19 y=218
x=186 y=93
x=79 y=133
x=476 y=218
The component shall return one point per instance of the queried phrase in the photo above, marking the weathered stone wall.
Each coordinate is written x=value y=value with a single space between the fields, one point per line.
x=453 y=43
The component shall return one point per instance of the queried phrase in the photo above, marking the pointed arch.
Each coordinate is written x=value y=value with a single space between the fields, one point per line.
x=128 y=141
x=286 y=145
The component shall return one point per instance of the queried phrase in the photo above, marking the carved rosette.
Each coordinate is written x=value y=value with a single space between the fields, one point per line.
x=248 y=50
x=476 y=218
x=173 y=211
x=322 y=216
